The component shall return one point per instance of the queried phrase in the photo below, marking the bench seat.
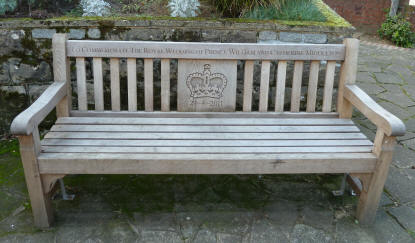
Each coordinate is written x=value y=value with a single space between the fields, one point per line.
x=205 y=146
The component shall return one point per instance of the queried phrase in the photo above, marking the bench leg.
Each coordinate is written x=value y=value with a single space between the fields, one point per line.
x=373 y=183
x=40 y=200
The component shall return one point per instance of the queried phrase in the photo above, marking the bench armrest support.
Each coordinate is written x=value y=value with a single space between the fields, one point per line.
x=383 y=119
x=29 y=119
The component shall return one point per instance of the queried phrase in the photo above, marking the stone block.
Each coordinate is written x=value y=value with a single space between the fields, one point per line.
x=315 y=38
x=291 y=37
x=267 y=35
x=76 y=34
x=94 y=33
x=405 y=215
x=43 y=33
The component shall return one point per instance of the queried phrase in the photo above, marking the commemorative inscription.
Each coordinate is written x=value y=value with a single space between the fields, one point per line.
x=205 y=50
x=206 y=85
x=228 y=51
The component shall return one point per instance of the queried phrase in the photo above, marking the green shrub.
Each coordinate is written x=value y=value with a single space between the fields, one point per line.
x=301 y=10
x=7 y=6
x=398 y=30
x=238 y=8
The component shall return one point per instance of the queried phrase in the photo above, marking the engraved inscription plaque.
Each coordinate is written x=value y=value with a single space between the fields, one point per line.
x=206 y=85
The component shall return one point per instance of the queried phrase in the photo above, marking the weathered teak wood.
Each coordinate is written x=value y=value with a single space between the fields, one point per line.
x=81 y=83
x=213 y=51
x=27 y=121
x=115 y=84
x=371 y=193
x=312 y=86
x=248 y=81
x=206 y=135
x=279 y=96
x=206 y=85
x=382 y=118
x=347 y=76
x=328 y=86
x=61 y=72
x=148 y=84
x=165 y=84
x=132 y=84
x=264 y=88
x=175 y=114
x=296 y=88
x=78 y=163
x=98 y=84
x=39 y=198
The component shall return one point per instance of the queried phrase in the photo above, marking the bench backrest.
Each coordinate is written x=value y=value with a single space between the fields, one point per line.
x=207 y=74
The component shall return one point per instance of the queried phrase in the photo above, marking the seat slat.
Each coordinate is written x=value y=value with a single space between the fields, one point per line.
x=132 y=83
x=98 y=84
x=115 y=84
x=296 y=87
x=102 y=163
x=204 y=143
x=202 y=150
x=279 y=94
x=203 y=136
x=148 y=84
x=203 y=121
x=165 y=85
x=264 y=86
x=328 y=86
x=202 y=128
x=248 y=81
x=81 y=83
x=312 y=86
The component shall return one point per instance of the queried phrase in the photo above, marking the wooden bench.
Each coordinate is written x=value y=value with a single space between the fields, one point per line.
x=207 y=134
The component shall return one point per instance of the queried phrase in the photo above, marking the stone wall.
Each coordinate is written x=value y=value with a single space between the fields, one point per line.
x=26 y=62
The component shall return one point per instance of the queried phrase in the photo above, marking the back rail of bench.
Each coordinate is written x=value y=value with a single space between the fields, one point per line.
x=201 y=62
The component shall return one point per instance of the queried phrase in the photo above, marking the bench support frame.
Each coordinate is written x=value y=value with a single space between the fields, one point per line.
x=39 y=198
x=373 y=183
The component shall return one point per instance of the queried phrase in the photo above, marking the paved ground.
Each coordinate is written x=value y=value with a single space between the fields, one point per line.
x=232 y=208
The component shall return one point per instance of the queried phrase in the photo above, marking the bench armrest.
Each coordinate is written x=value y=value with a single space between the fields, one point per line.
x=25 y=122
x=390 y=124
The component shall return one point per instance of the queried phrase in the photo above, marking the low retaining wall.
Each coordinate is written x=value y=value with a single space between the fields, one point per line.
x=25 y=53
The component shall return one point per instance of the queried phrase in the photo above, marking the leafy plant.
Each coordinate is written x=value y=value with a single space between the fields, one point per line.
x=131 y=6
x=95 y=7
x=238 y=8
x=184 y=8
x=301 y=10
x=7 y=6
x=398 y=30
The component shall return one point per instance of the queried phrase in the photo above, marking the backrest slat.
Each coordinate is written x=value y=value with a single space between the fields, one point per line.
x=132 y=84
x=296 y=87
x=148 y=84
x=115 y=84
x=312 y=86
x=280 y=93
x=328 y=86
x=264 y=86
x=248 y=81
x=81 y=84
x=98 y=84
x=165 y=84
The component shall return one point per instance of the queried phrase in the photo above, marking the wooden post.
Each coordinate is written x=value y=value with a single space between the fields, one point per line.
x=61 y=72
x=40 y=200
x=371 y=193
x=347 y=76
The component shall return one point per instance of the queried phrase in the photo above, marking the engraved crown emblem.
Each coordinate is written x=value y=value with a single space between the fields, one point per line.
x=206 y=84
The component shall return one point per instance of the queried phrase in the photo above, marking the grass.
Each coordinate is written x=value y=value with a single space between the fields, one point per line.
x=298 y=10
